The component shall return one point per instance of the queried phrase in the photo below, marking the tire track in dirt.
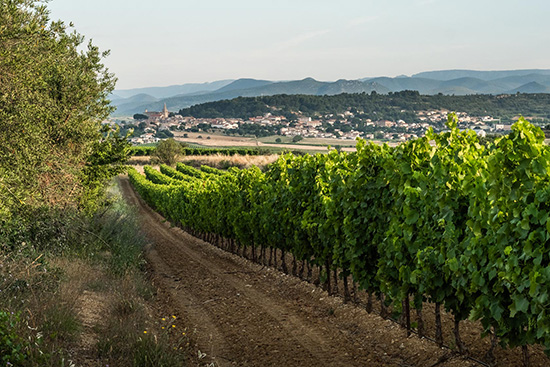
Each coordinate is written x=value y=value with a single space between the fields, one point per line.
x=247 y=315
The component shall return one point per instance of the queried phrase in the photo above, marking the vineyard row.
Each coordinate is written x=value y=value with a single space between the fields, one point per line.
x=441 y=219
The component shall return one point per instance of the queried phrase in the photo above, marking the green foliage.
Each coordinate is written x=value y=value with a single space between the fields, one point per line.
x=53 y=97
x=116 y=229
x=113 y=228
x=140 y=116
x=140 y=151
x=239 y=107
x=167 y=152
x=12 y=347
x=164 y=134
x=442 y=218
x=297 y=138
x=106 y=161
x=146 y=151
x=394 y=106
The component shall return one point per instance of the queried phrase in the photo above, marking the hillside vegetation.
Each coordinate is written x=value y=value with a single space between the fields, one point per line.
x=394 y=106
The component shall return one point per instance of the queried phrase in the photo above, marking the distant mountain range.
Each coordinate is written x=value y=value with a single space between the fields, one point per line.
x=457 y=82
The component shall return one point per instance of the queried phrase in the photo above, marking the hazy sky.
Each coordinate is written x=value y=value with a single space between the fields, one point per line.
x=167 y=42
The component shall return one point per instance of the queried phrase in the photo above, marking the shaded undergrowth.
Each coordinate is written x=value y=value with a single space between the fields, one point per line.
x=74 y=290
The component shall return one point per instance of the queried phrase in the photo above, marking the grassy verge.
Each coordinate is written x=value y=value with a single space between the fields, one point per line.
x=74 y=291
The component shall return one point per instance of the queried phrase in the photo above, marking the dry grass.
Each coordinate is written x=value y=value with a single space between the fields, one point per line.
x=224 y=161
x=88 y=305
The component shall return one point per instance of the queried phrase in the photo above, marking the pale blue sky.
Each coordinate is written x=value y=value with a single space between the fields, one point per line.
x=167 y=42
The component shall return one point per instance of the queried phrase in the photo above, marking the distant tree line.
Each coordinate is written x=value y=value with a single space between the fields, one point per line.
x=392 y=106
x=185 y=151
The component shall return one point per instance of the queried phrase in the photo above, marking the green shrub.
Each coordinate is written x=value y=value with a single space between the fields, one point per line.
x=12 y=346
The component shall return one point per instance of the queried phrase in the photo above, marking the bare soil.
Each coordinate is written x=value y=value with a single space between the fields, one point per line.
x=245 y=314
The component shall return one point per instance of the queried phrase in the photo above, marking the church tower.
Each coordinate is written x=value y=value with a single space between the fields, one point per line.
x=165 y=112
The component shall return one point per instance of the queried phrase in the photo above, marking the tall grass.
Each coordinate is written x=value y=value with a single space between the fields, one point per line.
x=59 y=270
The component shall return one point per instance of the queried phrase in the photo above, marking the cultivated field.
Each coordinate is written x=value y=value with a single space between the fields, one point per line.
x=218 y=140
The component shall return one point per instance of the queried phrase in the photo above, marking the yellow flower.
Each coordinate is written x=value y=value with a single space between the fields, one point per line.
x=182 y=333
x=163 y=319
x=173 y=325
x=163 y=328
x=174 y=317
x=144 y=331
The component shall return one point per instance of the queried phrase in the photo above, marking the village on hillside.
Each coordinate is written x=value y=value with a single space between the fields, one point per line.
x=158 y=125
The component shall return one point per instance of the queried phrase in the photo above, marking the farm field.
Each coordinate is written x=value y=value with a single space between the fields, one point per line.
x=218 y=140
x=345 y=217
x=246 y=314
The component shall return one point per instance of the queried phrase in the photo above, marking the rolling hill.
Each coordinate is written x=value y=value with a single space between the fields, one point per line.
x=448 y=82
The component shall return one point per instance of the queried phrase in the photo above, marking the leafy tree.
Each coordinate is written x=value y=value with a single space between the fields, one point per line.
x=167 y=152
x=140 y=116
x=297 y=138
x=164 y=134
x=53 y=96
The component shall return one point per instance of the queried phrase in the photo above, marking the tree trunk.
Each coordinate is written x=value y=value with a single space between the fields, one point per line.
x=335 y=287
x=301 y=272
x=347 y=296
x=458 y=340
x=294 y=265
x=369 y=303
x=438 y=328
x=408 y=316
x=283 y=262
x=490 y=355
x=327 y=281
x=420 y=322
x=354 y=288
x=383 y=308
x=317 y=280
x=309 y=271
x=270 y=261
x=525 y=353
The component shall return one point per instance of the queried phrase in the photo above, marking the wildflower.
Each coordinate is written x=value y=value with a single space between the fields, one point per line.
x=174 y=317
x=144 y=331
x=182 y=333
x=173 y=325
x=163 y=319
x=163 y=328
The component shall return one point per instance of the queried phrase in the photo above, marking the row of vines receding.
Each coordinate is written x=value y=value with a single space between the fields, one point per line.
x=442 y=219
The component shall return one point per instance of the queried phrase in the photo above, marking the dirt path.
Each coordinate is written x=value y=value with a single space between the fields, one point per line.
x=248 y=315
